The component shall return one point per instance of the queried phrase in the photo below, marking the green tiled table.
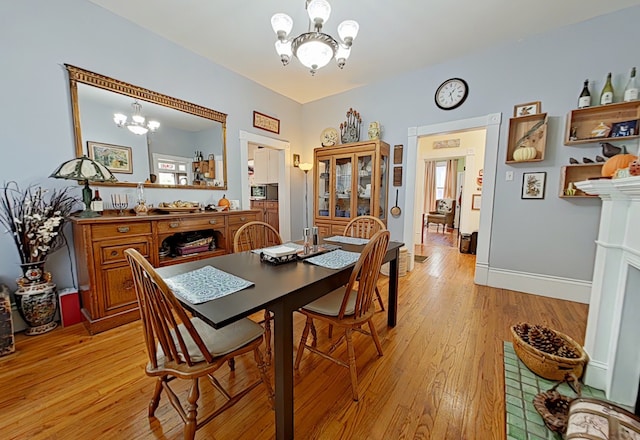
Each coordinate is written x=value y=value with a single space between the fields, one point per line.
x=521 y=385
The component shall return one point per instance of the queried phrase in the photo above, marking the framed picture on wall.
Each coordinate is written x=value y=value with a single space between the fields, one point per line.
x=533 y=185
x=529 y=108
x=115 y=157
x=476 y=201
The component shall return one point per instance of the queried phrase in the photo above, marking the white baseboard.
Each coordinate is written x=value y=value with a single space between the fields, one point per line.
x=536 y=284
x=595 y=375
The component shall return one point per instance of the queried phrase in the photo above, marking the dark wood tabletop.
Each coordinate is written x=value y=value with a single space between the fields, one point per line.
x=282 y=289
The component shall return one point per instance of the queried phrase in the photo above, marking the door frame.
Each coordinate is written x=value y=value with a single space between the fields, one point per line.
x=491 y=123
x=285 y=163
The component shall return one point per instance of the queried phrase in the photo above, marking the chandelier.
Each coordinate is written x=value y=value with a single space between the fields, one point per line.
x=314 y=49
x=138 y=124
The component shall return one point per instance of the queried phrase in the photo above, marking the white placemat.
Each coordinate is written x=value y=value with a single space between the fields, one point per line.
x=335 y=259
x=347 y=240
x=204 y=284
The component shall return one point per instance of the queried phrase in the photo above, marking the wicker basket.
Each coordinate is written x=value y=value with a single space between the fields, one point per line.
x=547 y=365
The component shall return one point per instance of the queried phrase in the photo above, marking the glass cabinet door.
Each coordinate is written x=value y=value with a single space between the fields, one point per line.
x=382 y=191
x=323 y=185
x=343 y=186
x=364 y=184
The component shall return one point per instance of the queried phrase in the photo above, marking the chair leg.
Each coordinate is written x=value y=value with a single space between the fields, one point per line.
x=330 y=331
x=303 y=342
x=191 y=423
x=352 y=364
x=267 y=336
x=232 y=364
x=155 y=400
x=374 y=335
x=262 y=368
x=379 y=298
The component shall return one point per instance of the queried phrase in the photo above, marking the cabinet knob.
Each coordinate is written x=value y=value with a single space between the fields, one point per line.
x=123 y=229
x=174 y=225
x=128 y=284
x=213 y=221
x=243 y=218
x=114 y=253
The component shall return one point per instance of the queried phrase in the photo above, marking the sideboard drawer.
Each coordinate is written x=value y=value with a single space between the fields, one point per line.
x=238 y=219
x=115 y=253
x=183 y=224
x=117 y=230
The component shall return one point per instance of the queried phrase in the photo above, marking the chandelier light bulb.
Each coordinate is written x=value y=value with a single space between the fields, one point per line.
x=137 y=129
x=283 y=48
x=153 y=125
x=348 y=31
x=282 y=25
x=319 y=12
x=137 y=124
x=342 y=55
x=119 y=119
x=314 y=54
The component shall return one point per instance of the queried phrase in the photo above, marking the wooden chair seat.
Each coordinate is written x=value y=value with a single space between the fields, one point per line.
x=348 y=308
x=181 y=347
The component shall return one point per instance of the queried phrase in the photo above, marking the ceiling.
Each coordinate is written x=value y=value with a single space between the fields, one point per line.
x=410 y=35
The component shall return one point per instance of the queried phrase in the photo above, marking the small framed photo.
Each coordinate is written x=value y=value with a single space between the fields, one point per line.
x=296 y=160
x=530 y=108
x=533 y=185
x=621 y=129
x=476 y=201
x=115 y=157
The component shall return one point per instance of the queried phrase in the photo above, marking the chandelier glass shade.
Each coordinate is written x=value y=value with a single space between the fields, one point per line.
x=138 y=123
x=314 y=49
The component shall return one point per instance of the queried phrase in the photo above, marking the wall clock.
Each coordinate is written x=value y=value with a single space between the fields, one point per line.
x=451 y=93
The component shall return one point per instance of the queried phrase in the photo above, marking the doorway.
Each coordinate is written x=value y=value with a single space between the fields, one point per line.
x=413 y=220
x=284 y=176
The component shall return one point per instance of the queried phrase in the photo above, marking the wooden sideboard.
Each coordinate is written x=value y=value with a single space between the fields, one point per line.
x=108 y=297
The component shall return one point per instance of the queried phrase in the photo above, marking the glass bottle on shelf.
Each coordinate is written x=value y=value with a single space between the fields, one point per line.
x=606 y=96
x=584 y=100
x=631 y=89
x=141 y=207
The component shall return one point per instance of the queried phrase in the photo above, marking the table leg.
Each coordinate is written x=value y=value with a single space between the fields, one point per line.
x=392 y=308
x=283 y=363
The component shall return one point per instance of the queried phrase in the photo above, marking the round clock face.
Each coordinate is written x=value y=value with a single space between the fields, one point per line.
x=329 y=137
x=451 y=93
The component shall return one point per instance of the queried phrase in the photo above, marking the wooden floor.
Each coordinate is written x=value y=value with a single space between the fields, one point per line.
x=441 y=376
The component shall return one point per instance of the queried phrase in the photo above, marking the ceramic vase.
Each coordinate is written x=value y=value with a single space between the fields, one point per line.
x=32 y=273
x=374 y=130
x=37 y=304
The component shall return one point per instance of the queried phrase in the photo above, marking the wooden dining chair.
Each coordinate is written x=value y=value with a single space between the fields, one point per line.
x=257 y=235
x=348 y=308
x=365 y=226
x=180 y=347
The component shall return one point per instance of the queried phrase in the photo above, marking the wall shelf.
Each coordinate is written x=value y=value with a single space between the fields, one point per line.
x=578 y=173
x=532 y=126
x=584 y=120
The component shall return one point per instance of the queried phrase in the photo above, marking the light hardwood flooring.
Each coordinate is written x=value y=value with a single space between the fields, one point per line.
x=441 y=376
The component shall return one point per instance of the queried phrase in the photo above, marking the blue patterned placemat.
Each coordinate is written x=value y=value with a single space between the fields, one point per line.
x=204 y=284
x=347 y=240
x=337 y=259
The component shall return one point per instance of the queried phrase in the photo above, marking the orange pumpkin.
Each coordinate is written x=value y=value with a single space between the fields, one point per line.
x=617 y=162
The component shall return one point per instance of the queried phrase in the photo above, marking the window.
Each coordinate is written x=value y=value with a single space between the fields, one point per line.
x=441 y=176
x=172 y=170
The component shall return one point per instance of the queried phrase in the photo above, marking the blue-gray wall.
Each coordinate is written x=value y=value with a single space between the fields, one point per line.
x=551 y=237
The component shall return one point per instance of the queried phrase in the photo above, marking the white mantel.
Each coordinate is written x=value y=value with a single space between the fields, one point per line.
x=612 y=338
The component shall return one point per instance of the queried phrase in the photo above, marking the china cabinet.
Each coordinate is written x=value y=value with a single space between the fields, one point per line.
x=350 y=180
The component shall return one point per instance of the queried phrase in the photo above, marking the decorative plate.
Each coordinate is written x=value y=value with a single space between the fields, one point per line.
x=329 y=137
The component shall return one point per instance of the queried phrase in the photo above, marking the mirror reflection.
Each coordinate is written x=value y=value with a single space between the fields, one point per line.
x=141 y=136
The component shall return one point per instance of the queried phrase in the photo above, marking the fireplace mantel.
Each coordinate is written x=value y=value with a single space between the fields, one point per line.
x=613 y=325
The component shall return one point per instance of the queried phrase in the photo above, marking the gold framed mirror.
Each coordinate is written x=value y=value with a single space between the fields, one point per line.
x=188 y=149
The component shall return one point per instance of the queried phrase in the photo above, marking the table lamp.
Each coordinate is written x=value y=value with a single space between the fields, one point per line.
x=84 y=169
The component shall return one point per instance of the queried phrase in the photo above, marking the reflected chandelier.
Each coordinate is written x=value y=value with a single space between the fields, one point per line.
x=314 y=49
x=138 y=124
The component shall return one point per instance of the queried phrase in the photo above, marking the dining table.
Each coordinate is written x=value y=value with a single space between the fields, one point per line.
x=281 y=289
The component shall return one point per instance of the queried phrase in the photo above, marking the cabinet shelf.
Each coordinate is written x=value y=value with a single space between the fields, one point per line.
x=578 y=173
x=583 y=121
x=532 y=126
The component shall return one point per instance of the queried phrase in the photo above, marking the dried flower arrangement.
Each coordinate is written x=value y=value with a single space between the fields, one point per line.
x=34 y=220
